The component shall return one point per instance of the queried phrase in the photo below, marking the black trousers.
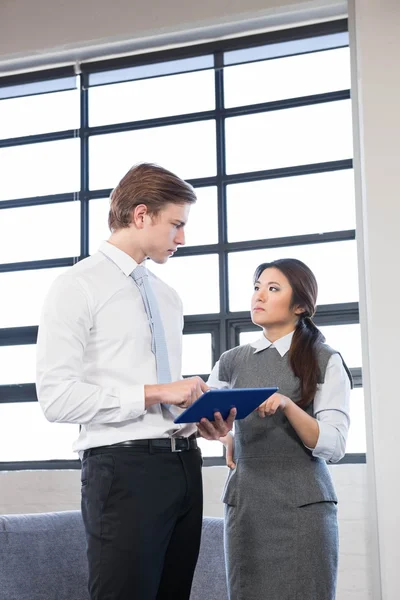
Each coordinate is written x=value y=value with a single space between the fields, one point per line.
x=142 y=514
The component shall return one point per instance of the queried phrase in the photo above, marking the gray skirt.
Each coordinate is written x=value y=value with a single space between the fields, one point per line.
x=277 y=549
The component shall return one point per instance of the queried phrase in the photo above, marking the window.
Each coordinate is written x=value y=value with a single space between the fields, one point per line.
x=326 y=260
x=39 y=237
x=199 y=287
x=261 y=127
x=167 y=145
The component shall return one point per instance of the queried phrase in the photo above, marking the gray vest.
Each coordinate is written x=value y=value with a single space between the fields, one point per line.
x=273 y=438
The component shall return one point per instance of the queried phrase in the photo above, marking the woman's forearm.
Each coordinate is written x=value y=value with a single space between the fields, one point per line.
x=304 y=425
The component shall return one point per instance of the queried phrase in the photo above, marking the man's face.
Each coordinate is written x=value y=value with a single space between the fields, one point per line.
x=164 y=232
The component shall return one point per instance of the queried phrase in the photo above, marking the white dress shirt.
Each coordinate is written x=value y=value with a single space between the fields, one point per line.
x=94 y=352
x=331 y=402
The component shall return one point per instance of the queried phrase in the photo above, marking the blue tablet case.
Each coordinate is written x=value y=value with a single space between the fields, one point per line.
x=245 y=400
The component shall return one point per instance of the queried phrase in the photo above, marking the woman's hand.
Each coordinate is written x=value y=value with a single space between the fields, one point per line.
x=275 y=402
x=305 y=425
x=229 y=443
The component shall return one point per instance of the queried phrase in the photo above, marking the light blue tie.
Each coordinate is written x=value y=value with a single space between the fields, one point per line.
x=158 y=342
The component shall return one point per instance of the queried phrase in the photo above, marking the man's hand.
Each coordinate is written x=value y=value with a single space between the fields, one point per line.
x=213 y=430
x=180 y=393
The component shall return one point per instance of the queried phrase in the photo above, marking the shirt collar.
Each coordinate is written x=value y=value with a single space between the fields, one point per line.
x=125 y=262
x=282 y=345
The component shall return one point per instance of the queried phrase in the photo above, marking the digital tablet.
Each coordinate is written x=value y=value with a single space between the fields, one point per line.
x=245 y=400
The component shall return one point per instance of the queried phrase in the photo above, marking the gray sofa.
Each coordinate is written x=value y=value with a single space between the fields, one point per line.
x=42 y=557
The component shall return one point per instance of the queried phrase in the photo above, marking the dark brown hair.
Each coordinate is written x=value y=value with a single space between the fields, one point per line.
x=147 y=184
x=306 y=338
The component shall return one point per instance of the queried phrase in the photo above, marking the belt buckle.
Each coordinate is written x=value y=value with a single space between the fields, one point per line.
x=175 y=449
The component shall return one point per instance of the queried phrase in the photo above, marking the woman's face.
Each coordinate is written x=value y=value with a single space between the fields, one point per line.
x=271 y=300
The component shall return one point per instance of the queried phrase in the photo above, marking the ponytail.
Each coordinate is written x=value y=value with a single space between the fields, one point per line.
x=303 y=357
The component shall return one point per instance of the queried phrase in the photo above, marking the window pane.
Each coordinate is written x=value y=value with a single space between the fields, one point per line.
x=32 y=437
x=18 y=364
x=283 y=138
x=43 y=86
x=288 y=48
x=202 y=227
x=247 y=337
x=40 y=169
x=43 y=113
x=356 y=441
x=152 y=98
x=22 y=295
x=156 y=69
x=189 y=150
x=289 y=77
x=46 y=239
x=196 y=353
x=346 y=339
x=98 y=223
x=195 y=278
x=291 y=206
x=334 y=265
x=210 y=448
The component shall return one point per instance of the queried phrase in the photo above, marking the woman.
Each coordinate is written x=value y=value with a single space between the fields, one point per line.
x=281 y=535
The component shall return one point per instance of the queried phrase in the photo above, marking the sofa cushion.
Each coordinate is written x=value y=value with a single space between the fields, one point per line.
x=209 y=581
x=43 y=557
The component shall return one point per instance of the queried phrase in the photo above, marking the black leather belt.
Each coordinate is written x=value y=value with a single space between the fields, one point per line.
x=179 y=444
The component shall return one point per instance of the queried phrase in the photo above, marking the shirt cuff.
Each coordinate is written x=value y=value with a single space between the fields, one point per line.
x=214 y=381
x=327 y=444
x=132 y=402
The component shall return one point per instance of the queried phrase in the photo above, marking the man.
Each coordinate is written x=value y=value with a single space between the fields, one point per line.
x=109 y=359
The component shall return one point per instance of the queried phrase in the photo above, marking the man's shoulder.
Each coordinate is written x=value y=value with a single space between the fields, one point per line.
x=167 y=290
x=89 y=264
x=84 y=275
x=85 y=268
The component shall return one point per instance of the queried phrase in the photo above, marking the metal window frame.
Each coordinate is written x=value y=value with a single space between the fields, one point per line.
x=223 y=326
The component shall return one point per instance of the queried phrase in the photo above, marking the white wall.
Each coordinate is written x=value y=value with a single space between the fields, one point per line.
x=375 y=50
x=41 y=491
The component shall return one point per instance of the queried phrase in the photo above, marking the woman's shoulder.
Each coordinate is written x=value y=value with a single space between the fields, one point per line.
x=231 y=361
x=324 y=354
x=325 y=351
x=237 y=354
